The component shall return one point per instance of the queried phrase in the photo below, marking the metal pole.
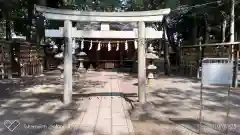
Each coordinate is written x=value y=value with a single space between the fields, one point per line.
x=232 y=35
x=228 y=99
x=67 y=98
x=141 y=63
x=200 y=57
x=235 y=66
x=201 y=105
x=228 y=108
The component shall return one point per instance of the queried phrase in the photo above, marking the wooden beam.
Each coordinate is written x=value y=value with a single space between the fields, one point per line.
x=141 y=63
x=67 y=98
x=211 y=45
x=150 y=34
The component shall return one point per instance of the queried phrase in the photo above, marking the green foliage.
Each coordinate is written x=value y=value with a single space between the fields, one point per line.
x=93 y=5
x=182 y=13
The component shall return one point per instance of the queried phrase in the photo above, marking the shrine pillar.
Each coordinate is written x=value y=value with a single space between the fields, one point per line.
x=67 y=98
x=141 y=63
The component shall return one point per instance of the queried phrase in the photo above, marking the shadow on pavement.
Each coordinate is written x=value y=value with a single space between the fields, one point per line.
x=173 y=105
x=39 y=111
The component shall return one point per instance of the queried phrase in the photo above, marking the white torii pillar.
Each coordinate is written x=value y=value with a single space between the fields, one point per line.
x=141 y=63
x=67 y=98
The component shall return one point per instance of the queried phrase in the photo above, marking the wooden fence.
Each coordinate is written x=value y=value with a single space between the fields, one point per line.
x=20 y=59
x=5 y=59
x=191 y=56
x=31 y=59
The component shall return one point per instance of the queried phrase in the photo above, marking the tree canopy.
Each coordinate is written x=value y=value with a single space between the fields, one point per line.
x=185 y=15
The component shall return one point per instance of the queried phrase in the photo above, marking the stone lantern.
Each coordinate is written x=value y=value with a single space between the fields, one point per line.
x=60 y=67
x=151 y=68
x=81 y=56
x=91 y=68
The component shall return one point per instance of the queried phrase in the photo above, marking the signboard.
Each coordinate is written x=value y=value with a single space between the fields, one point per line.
x=217 y=71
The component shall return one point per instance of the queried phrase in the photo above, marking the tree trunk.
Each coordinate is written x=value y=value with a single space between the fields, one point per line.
x=167 y=69
x=232 y=30
x=194 y=30
x=224 y=26
x=207 y=30
x=193 y=71
x=40 y=28
x=206 y=36
x=8 y=25
x=30 y=17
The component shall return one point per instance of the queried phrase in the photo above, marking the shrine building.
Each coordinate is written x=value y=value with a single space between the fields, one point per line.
x=107 y=44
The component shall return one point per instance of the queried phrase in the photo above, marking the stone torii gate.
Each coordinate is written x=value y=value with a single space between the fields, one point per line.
x=78 y=16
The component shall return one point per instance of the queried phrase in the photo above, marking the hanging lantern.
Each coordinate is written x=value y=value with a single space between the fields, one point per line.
x=82 y=44
x=90 y=45
x=135 y=44
x=109 y=46
x=117 y=46
x=126 y=45
x=99 y=46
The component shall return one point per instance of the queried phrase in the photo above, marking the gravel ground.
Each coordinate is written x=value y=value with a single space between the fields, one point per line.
x=173 y=105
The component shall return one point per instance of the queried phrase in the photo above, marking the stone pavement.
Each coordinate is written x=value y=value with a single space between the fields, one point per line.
x=98 y=107
x=173 y=105
x=107 y=111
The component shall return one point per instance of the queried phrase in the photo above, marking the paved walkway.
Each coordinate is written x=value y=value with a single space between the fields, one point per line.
x=107 y=112
x=101 y=112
